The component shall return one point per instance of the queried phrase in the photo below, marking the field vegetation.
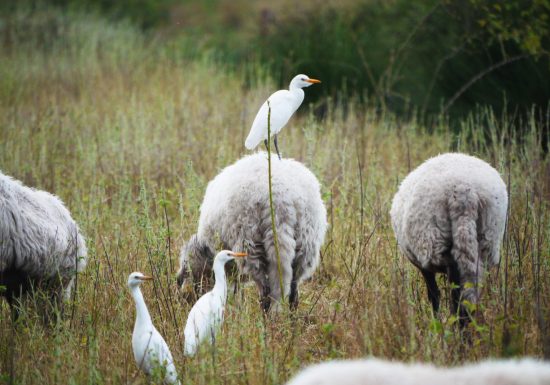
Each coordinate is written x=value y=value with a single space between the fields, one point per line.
x=128 y=130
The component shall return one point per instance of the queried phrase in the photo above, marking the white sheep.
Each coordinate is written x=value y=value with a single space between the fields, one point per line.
x=40 y=244
x=378 y=372
x=236 y=212
x=448 y=217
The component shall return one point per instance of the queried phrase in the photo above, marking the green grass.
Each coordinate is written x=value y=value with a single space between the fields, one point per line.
x=129 y=135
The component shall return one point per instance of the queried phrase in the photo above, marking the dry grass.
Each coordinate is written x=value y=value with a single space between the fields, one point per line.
x=129 y=135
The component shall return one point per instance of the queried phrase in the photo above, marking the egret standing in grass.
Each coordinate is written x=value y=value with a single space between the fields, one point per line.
x=283 y=104
x=150 y=350
x=206 y=316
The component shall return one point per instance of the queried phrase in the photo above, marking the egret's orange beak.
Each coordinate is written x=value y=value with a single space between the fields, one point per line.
x=146 y=278
x=241 y=255
x=313 y=81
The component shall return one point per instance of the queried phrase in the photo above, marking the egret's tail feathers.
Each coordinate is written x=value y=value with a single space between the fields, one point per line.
x=251 y=142
x=255 y=136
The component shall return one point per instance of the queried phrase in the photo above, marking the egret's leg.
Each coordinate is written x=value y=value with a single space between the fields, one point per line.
x=276 y=146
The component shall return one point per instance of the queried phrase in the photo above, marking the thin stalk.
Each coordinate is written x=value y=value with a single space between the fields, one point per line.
x=273 y=227
x=75 y=288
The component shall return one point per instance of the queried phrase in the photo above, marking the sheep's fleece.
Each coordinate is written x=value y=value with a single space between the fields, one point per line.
x=378 y=372
x=452 y=201
x=38 y=237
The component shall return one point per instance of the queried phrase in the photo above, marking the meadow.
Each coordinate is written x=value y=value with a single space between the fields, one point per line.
x=128 y=133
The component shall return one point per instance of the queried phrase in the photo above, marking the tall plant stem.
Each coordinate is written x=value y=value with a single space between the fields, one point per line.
x=272 y=209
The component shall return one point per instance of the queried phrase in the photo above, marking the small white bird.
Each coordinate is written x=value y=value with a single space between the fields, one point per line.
x=206 y=316
x=150 y=350
x=283 y=104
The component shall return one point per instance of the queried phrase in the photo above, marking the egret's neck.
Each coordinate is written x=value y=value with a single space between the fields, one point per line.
x=298 y=93
x=220 y=287
x=142 y=314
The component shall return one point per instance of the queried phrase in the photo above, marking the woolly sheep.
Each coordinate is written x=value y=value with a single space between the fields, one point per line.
x=448 y=217
x=40 y=244
x=236 y=212
x=378 y=372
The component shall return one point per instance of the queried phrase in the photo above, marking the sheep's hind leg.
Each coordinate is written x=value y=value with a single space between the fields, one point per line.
x=265 y=300
x=293 y=297
x=14 y=309
x=433 y=291
x=456 y=292
x=259 y=276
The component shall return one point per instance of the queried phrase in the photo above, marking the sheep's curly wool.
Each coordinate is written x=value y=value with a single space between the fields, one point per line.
x=236 y=211
x=40 y=244
x=378 y=372
x=449 y=216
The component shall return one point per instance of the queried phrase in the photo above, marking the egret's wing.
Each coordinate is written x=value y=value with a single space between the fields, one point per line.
x=199 y=324
x=164 y=357
x=282 y=109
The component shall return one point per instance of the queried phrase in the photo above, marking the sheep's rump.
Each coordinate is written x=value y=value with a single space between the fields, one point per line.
x=378 y=372
x=236 y=210
x=38 y=238
x=444 y=196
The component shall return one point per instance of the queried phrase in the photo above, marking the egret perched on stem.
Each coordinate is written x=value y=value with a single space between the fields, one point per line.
x=206 y=316
x=150 y=350
x=283 y=104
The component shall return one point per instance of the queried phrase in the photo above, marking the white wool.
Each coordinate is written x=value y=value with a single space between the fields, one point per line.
x=379 y=372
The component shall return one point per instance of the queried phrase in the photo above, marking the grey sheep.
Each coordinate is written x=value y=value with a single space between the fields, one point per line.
x=373 y=371
x=40 y=244
x=236 y=212
x=448 y=217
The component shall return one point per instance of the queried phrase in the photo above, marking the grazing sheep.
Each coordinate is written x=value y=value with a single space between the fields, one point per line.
x=378 y=372
x=448 y=217
x=40 y=244
x=236 y=212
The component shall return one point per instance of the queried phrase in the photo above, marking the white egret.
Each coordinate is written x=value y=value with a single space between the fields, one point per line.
x=283 y=104
x=206 y=316
x=150 y=350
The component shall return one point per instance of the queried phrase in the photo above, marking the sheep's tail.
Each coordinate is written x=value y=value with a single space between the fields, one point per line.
x=464 y=208
x=287 y=249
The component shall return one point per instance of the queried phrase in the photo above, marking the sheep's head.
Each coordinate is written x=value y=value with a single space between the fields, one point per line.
x=195 y=271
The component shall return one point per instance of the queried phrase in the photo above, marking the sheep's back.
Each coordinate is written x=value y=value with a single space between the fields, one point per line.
x=420 y=209
x=236 y=200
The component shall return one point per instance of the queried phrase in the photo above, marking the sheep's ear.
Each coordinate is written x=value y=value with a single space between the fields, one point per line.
x=197 y=249
x=206 y=251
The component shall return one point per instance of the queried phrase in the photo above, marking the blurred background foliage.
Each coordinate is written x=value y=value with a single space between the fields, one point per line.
x=421 y=57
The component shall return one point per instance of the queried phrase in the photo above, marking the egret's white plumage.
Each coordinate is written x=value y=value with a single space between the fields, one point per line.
x=283 y=104
x=206 y=316
x=150 y=350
